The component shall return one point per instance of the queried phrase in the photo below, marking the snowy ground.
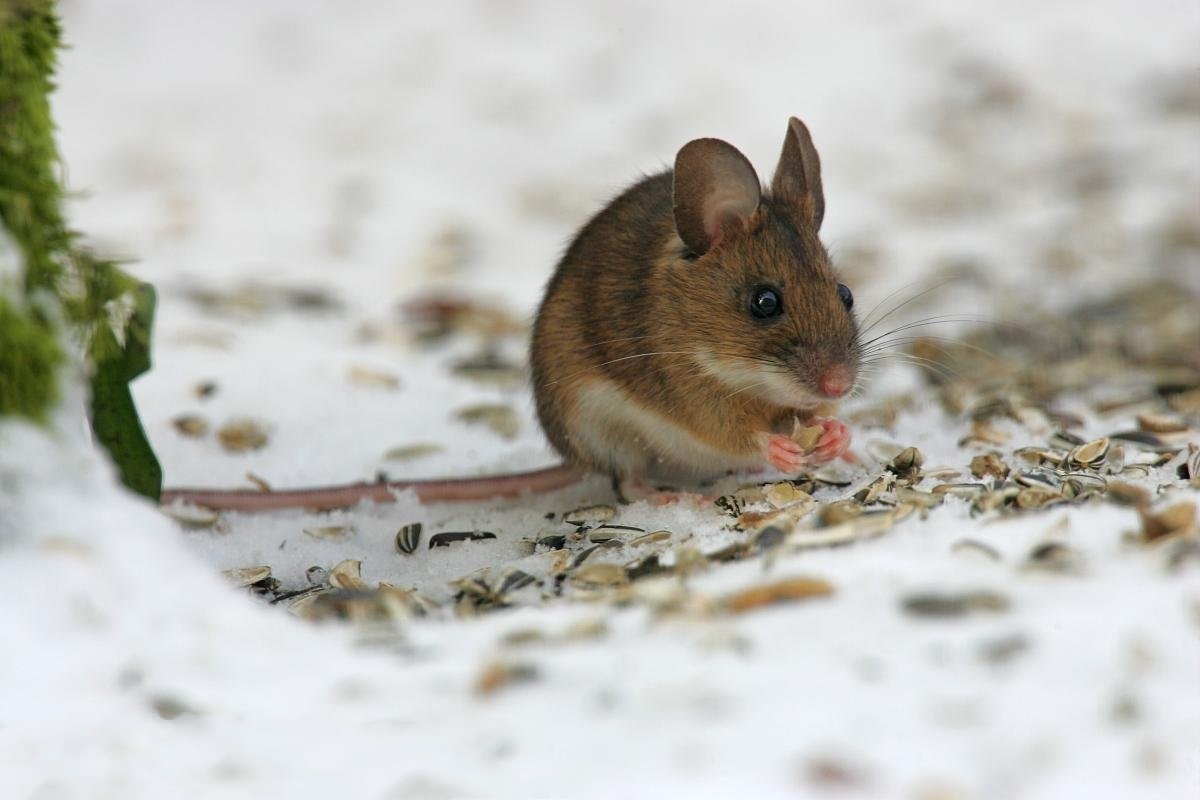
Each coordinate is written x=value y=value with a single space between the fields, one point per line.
x=289 y=174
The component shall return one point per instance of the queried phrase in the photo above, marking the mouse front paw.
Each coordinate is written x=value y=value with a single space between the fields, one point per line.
x=783 y=453
x=833 y=442
x=787 y=456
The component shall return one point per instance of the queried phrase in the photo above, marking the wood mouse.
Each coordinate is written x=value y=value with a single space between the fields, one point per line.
x=692 y=319
x=685 y=328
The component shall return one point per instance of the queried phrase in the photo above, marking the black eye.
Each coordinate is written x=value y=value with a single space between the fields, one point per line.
x=765 y=302
x=846 y=295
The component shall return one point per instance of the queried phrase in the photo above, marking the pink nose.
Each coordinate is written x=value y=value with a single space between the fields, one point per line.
x=835 y=382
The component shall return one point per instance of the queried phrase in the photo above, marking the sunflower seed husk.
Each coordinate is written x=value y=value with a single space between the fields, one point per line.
x=883 y=451
x=489 y=367
x=651 y=538
x=1038 y=478
x=919 y=498
x=589 y=515
x=989 y=464
x=347 y=575
x=191 y=425
x=607 y=533
x=1065 y=440
x=242 y=577
x=975 y=547
x=1189 y=470
x=935 y=604
x=780 y=591
x=330 y=532
x=1037 y=497
x=1054 y=557
x=316 y=576
x=495 y=676
x=191 y=516
x=600 y=574
x=1090 y=454
x=409 y=452
x=408 y=538
x=372 y=378
x=967 y=491
x=871 y=492
x=840 y=511
x=1174 y=521
x=806 y=436
x=647 y=565
x=447 y=538
x=908 y=461
x=1127 y=494
x=241 y=435
x=501 y=419
x=786 y=495
x=1161 y=423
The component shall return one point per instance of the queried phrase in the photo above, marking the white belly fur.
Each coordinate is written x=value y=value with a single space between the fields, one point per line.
x=637 y=442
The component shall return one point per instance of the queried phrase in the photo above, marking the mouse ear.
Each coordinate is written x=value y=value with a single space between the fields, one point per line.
x=797 y=181
x=715 y=192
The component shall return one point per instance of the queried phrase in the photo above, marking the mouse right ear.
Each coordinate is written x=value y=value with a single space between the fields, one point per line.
x=715 y=192
x=797 y=180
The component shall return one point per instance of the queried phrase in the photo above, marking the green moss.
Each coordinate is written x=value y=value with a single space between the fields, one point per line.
x=29 y=360
x=53 y=264
x=29 y=187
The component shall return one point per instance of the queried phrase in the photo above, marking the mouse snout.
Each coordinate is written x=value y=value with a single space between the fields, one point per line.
x=835 y=381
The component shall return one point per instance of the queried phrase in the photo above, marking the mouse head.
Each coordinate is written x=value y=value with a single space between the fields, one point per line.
x=767 y=313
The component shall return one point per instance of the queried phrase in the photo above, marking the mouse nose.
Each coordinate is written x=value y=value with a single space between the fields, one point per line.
x=835 y=382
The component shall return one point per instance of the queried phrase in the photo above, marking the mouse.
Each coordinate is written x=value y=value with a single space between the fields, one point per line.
x=693 y=320
x=686 y=330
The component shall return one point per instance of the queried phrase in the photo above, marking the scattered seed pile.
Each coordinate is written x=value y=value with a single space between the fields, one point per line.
x=1099 y=406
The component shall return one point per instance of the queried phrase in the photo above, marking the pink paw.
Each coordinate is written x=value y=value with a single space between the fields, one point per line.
x=833 y=442
x=784 y=454
x=788 y=457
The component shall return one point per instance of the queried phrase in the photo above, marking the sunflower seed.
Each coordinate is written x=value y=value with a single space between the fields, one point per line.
x=600 y=574
x=935 y=604
x=907 y=462
x=371 y=378
x=806 y=437
x=501 y=419
x=246 y=576
x=975 y=547
x=347 y=575
x=191 y=516
x=241 y=435
x=989 y=464
x=447 y=538
x=589 y=514
x=1161 y=423
x=1037 y=497
x=411 y=451
x=330 y=532
x=780 y=591
x=785 y=495
x=190 y=425
x=1091 y=454
x=1054 y=557
x=1174 y=521
x=651 y=538
x=408 y=538
x=495 y=676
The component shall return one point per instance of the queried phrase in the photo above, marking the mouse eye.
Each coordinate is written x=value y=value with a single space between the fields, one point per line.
x=847 y=297
x=765 y=302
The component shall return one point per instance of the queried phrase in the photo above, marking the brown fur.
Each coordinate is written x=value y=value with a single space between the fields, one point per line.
x=628 y=285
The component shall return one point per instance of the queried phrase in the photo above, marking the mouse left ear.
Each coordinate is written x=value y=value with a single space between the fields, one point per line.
x=715 y=192
x=797 y=181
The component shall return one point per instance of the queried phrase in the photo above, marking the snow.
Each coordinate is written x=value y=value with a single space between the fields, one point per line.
x=252 y=149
